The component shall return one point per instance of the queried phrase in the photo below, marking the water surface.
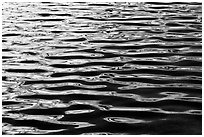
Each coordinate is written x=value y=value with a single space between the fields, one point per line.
x=102 y=68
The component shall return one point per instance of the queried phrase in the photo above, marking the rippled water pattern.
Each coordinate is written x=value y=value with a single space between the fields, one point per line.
x=102 y=68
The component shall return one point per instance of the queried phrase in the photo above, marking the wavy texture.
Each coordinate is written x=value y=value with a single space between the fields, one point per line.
x=102 y=68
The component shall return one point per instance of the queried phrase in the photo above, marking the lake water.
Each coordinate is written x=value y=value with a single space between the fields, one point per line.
x=102 y=68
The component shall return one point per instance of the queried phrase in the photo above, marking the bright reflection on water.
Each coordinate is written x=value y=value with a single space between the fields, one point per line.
x=102 y=68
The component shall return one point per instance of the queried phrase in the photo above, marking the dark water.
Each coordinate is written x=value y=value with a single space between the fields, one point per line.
x=102 y=68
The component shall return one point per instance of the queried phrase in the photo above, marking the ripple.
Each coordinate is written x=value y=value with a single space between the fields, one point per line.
x=125 y=120
x=78 y=111
x=122 y=68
